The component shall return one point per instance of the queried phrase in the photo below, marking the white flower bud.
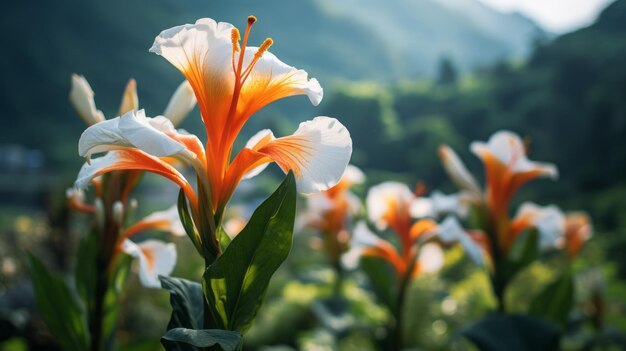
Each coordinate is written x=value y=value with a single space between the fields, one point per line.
x=81 y=97
x=181 y=103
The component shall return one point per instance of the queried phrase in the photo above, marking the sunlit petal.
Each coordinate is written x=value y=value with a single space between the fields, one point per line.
x=508 y=148
x=155 y=258
x=181 y=103
x=450 y=231
x=430 y=258
x=318 y=153
x=457 y=171
x=387 y=202
x=130 y=101
x=131 y=160
x=271 y=80
x=548 y=220
x=81 y=97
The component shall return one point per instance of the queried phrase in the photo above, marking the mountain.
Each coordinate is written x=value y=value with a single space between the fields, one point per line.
x=107 y=41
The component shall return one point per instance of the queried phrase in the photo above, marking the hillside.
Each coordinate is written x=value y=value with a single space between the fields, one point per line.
x=108 y=41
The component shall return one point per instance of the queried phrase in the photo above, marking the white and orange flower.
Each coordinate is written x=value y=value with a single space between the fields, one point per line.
x=155 y=257
x=231 y=81
x=388 y=206
x=507 y=168
x=578 y=230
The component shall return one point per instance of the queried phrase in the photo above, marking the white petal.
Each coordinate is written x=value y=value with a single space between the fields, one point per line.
x=270 y=69
x=181 y=103
x=132 y=130
x=148 y=134
x=450 y=231
x=509 y=149
x=155 y=258
x=431 y=258
x=81 y=97
x=457 y=171
x=423 y=207
x=353 y=175
x=205 y=44
x=362 y=238
x=90 y=169
x=318 y=153
x=384 y=197
x=450 y=204
x=549 y=221
x=172 y=217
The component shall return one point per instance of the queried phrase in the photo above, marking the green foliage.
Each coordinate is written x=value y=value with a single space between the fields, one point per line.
x=226 y=339
x=186 y=299
x=383 y=280
x=555 y=301
x=59 y=307
x=235 y=283
x=514 y=333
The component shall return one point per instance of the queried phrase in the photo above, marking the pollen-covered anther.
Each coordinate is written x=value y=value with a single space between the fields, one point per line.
x=251 y=20
x=235 y=37
x=263 y=48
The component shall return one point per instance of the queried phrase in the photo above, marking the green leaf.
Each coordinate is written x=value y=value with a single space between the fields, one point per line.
x=223 y=238
x=382 y=278
x=187 y=303
x=235 y=283
x=112 y=297
x=513 y=333
x=187 y=221
x=525 y=250
x=60 y=309
x=85 y=271
x=228 y=340
x=555 y=301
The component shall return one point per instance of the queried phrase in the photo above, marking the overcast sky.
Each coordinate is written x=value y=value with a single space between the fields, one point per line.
x=558 y=16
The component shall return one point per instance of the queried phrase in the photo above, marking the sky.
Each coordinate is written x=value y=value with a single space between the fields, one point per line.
x=557 y=16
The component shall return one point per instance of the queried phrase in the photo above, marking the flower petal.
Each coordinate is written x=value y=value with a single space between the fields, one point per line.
x=548 y=220
x=130 y=101
x=508 y=148
x=271 y=80
x=387 y=201
x=132 y=160
x=203 y=53
x=450 y=231
x=166 y=220
x=318 y=153
x=81 y=97
x=457 y=171
x=155 y=136
x=430 y=258
x=155 y=258
x=181 y=103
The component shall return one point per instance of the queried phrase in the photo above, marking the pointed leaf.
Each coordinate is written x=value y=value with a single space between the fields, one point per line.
x=555 y=301
x=226 y=339
x=187 y=221
x=513 y=333
x=187 y=303
x=236 y=282
x=59 y=307
x=382 y=278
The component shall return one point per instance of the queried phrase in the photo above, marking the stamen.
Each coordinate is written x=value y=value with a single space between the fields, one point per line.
x=251 y=20
x=262 y=49
x=234 y=37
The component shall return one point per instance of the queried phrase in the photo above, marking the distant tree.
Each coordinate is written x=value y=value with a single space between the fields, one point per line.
x=446 y=72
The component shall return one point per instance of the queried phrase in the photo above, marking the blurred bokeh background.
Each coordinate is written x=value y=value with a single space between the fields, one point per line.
x=403 y=75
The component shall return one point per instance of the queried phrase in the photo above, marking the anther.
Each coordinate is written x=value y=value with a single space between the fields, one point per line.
x=251 y=20
x=235 y=37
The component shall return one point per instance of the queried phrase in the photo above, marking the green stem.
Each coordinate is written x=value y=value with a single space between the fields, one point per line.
x=397 y=335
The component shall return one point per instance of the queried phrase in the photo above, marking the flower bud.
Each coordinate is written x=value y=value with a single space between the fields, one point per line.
x=81 y=97
x=181 y=103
